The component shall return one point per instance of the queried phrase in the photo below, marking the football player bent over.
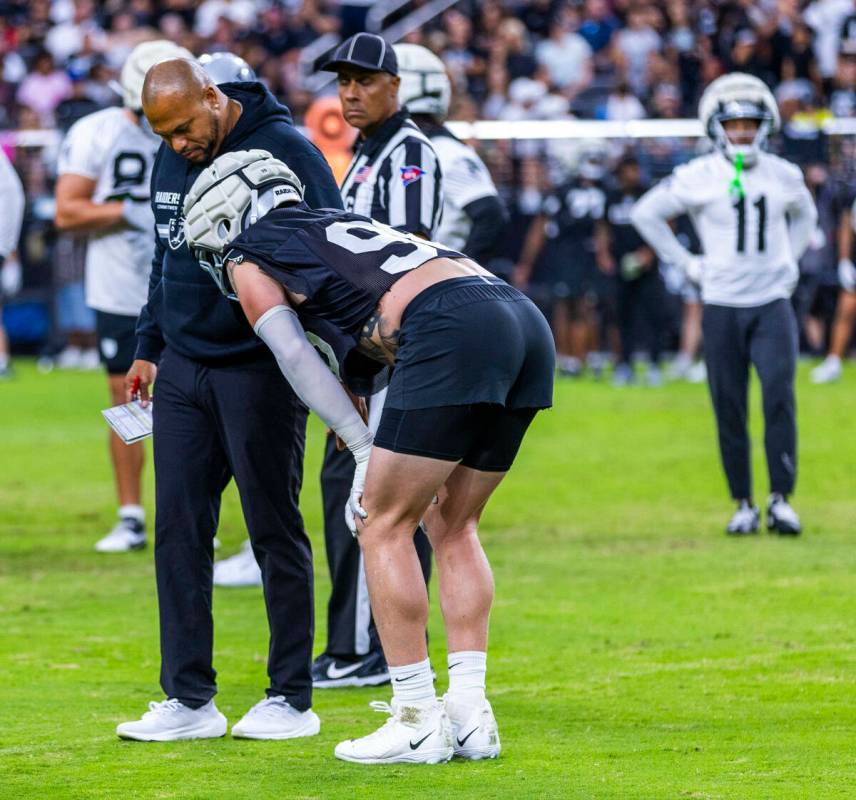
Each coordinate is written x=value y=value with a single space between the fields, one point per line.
x=473 y=362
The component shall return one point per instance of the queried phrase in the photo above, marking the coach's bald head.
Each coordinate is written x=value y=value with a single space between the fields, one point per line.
x=187 y=110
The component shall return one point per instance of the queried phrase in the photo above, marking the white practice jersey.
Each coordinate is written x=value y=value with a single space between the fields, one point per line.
x=751 y=242
x=12 y=204
x=118 y=155
x=465 y=180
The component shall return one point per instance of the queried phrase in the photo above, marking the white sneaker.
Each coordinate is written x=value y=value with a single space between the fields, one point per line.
x=274 y=718
x=744 y=521
x=697 y=373
x=781 y=518
x=171 y=720
x=69 y=358
x=413 y=734
x=828 y=371
x=654 y=377
x=474 y=730
x=90 y=360
x=128 y=534
x=238 y=570
x=679 y=367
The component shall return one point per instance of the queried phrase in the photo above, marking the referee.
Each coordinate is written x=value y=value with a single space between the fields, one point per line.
x=394 y=178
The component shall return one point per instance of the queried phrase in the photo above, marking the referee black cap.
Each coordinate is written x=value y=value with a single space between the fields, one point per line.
x=366 y=50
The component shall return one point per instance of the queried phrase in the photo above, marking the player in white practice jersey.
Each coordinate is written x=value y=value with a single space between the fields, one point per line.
x=754 y=216
x=473 y=215
x=105 y=166
x=12 y=193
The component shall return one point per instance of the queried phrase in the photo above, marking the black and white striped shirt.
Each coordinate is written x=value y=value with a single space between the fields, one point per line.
x=395 y=178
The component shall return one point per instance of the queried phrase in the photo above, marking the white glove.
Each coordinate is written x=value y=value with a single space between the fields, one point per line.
x=694 y=269
x=847 y=274
x=353 y=509
x=138 y=214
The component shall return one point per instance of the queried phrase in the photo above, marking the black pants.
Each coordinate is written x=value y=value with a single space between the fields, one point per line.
x=640 y=306
x=350 y=628
x=212 y=424
x=766 y=337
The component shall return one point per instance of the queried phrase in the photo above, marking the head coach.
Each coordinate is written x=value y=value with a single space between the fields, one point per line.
x=221 y=410
x=394 y=178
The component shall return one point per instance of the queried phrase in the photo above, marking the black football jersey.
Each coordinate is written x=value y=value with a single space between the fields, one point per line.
x=342 y=263
x=572 y=211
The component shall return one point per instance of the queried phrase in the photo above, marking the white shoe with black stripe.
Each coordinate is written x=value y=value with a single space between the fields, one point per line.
x=781 y=517
x=413 y=734
x=475 y=734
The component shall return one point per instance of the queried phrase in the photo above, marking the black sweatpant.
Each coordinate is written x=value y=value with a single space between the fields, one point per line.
x=766 y=337
x=212 y=424
x=351 y=630
x=641 y=309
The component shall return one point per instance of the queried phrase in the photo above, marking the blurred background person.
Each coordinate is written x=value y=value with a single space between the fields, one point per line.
x=12 y=192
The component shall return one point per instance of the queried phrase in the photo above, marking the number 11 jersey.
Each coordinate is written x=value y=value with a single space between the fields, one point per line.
x=746 y=248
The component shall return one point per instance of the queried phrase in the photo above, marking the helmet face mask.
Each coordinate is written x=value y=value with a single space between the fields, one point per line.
x=738 y=96
x=231 y=195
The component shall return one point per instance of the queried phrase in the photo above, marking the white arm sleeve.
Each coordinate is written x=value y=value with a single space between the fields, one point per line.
x=310 y=378
x=12 y=192
x=802 y=218
x=650 y=217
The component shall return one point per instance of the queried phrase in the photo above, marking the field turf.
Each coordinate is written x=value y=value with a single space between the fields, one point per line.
x=636 y=651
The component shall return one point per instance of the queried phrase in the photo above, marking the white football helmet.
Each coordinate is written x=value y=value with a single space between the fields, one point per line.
x=738 y=96
x=235 y=192
x=143 y=57
x=425 y=86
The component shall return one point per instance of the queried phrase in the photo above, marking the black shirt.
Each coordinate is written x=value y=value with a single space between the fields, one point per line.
x=185 y=310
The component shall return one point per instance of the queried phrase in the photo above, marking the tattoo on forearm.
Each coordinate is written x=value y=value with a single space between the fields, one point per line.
x=375 y=329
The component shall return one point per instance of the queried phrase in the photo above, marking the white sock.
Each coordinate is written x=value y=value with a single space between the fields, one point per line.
x=834 y=359
x=467 y=670
x=413 y=683
x=134 y=512
x=4 y=361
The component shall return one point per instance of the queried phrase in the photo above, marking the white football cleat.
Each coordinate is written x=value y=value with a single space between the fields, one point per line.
x=828 y=371
x=240 y=569
x=274 y=718
x=474 y=730
x=413 y=734
x=128 y=534
x=744 y=521
x=781 y=517
x=171 y=720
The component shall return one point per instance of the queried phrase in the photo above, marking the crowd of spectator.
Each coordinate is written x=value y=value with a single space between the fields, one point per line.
x=508 y=60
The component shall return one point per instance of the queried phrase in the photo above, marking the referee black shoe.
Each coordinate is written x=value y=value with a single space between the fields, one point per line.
x=781 y=518
x=745 y=520
x=329 y=672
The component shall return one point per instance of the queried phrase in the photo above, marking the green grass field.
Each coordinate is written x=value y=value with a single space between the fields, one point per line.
x=636 y=651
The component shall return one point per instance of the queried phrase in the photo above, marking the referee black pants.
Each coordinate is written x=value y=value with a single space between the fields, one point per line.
x=212 y=424
x=766 y=337
x=350 y=628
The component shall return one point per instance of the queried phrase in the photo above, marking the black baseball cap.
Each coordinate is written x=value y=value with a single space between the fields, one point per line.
x=366 y=50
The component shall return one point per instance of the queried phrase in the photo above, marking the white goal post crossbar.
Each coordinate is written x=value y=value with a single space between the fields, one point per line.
x=496 y=130
x=603 y=129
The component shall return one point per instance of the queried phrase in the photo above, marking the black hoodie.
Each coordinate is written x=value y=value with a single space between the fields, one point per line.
x=185 y=309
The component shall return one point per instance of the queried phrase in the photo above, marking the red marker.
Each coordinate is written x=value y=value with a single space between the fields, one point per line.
x=135 y=388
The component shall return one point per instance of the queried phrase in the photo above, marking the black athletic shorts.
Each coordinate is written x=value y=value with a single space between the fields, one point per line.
x=475 y=363
x=117 y=341
x=472 y=340
x=481 y=436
